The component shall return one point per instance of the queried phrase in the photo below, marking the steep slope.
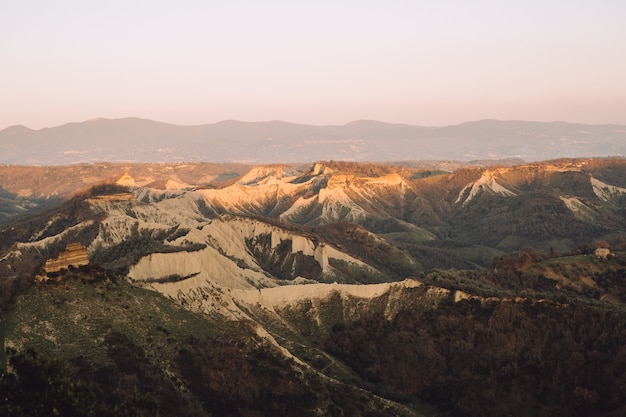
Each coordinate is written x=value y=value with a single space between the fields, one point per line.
x=93 y=343
x=163 y=238
x=557 y=203
x=460 y=219
x=539 y=205
x=447 y=219
x=318 y=196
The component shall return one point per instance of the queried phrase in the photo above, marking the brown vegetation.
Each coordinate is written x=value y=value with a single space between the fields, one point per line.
x=492 y=359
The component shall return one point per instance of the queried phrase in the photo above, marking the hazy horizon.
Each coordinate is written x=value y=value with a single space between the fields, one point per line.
x=325 y=63
x=303 y=124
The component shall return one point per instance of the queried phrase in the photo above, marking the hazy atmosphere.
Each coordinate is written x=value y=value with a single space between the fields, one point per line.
x=286 y=208
x=423 y=63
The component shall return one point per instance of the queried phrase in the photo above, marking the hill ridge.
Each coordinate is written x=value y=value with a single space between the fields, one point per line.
x=145 y=140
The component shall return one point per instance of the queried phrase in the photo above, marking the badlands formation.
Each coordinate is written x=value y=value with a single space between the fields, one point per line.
x=218 y=244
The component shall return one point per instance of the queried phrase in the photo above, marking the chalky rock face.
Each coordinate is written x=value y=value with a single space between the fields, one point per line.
x=74 y=254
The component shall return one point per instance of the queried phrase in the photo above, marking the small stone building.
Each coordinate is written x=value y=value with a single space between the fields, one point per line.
x=602 y=253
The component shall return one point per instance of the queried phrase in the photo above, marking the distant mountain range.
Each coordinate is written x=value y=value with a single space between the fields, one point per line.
x=140 y=140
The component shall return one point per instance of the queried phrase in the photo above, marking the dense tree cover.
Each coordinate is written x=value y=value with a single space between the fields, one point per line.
x=42 y=386
x=535 y=217
x=229 y=383
x=364 y=169
x=493 y=358
x=358 y=241
x=609 y=170
x=215 y=377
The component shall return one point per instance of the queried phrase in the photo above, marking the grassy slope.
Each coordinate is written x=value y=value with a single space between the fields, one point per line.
x=125 y=343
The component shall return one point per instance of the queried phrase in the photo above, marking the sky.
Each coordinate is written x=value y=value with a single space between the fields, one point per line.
x=430 y=63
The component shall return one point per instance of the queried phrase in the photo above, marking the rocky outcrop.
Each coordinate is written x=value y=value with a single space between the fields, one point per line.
x=74 y=254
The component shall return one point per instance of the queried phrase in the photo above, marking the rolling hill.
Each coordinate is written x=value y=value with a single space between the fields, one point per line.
x=140 y=140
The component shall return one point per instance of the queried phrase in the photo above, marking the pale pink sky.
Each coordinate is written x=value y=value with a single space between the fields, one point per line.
x=324 y=62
